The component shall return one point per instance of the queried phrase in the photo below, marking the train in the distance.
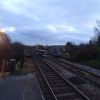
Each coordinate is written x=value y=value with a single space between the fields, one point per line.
x=45 y=53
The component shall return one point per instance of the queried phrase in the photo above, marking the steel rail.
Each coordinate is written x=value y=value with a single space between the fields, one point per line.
x=77 y=90
x=75 y=71
x=45 y=79
x=75 y=66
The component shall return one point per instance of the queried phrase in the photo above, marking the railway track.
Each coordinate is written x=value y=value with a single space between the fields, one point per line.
x=75 y=66
x=82 y=73
x=59 y=87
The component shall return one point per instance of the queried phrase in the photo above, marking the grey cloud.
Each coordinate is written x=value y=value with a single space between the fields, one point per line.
x=33 y=16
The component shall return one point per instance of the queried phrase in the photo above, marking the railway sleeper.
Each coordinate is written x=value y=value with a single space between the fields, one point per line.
x=63 y=87
x=58 y=91
x=77 y=80
x=55 y=81
x=67 y=96
x=57 y=85
x=52 y=77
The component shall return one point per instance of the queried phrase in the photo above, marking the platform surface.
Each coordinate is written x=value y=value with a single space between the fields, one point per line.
x=24 y=87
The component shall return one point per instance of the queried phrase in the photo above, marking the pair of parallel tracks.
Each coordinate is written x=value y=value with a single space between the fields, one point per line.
x=59 y=87
x=93 y=78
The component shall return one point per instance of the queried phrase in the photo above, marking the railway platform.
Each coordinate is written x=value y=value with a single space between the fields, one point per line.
x=24 y=87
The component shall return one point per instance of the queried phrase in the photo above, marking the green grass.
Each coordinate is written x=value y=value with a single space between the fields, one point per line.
x=93 y=63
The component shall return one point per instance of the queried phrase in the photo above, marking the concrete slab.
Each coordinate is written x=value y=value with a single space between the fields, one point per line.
x=24 y=87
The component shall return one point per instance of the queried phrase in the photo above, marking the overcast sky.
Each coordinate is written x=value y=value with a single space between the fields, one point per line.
x=49 y=21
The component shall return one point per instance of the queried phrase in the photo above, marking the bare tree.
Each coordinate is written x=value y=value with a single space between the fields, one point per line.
x=96 y=38
x=5 y=46
x=18 y=52
x=5 y=54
